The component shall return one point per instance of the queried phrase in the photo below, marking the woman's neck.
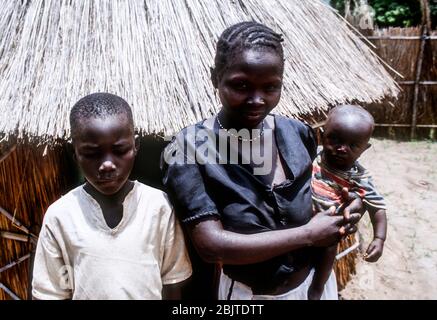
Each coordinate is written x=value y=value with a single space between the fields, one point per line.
x=226 y=122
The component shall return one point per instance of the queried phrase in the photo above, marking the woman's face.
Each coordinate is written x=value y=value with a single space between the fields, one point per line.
x=251 y=87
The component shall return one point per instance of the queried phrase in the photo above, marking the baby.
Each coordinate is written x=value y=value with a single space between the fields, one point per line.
x=346 y=136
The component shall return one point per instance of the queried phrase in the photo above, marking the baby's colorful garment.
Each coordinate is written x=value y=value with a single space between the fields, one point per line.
x=327 y=183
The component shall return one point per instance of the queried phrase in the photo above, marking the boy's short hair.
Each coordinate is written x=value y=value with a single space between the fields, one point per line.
x=98 y=105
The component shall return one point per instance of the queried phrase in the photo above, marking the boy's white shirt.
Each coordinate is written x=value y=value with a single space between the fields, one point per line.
x=79 y=257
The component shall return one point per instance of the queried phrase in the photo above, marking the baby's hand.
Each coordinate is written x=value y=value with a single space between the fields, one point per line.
x=374 y=251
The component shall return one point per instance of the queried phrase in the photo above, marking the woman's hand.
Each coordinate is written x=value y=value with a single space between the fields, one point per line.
x=325 y=228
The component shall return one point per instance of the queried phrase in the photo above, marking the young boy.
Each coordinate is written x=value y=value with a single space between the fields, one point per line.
x=111 y=238
x=347 y=133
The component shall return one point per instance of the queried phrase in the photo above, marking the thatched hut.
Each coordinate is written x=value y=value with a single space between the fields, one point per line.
x=157 y=55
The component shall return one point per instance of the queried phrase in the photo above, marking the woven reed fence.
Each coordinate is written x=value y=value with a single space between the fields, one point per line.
x=29 y=182
x=402 y=52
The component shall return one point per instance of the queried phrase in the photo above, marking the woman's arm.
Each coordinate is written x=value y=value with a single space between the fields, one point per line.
x=216 y=245
x=174 y=291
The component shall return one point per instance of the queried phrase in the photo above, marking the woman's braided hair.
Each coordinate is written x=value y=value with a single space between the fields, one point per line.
x=242 y=36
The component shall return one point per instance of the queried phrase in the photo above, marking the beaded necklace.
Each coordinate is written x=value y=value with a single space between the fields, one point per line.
x=239 y=137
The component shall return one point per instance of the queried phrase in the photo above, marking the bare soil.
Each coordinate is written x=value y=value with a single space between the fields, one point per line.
x=406 y=174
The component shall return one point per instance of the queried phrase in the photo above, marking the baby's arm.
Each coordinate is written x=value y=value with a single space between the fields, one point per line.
x=323 y=269
x=379 y=223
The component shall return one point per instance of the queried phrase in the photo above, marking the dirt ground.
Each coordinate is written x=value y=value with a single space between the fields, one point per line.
x=406 y=174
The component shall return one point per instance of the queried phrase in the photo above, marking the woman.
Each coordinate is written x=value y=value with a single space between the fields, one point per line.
x=240 y=181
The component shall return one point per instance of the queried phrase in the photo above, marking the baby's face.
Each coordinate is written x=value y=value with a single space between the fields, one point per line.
x=344 y=142
x=105 y=151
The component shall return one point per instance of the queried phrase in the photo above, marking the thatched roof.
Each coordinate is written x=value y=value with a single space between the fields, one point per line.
x=157 y=54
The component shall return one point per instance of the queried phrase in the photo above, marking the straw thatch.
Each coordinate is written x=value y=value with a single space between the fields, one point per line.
x=29 y=182
x=345 y=267
x=157 y=55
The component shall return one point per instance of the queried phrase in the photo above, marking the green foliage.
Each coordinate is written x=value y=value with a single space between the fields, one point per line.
x=433 y=7
x=338 y=5
x=394 y=13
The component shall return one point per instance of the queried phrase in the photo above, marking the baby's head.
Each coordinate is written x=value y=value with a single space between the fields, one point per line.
x=248 y=71
x=346 y=135
x=102 y=132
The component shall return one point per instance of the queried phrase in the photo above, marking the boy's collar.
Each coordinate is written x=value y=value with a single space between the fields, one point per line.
x=117 y=198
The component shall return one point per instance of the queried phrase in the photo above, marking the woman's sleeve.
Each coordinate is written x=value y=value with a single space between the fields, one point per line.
x=309 y=139
x=184 y=182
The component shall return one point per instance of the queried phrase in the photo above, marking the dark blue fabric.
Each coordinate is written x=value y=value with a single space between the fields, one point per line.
x=244 y=202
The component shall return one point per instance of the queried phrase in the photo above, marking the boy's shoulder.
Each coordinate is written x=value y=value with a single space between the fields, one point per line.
x=148 y=193
x=64 y=205
x=145 y=189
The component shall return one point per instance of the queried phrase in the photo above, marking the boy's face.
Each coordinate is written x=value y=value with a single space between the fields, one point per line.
x=251 y=86
x=105 y=150
x=344 y=141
